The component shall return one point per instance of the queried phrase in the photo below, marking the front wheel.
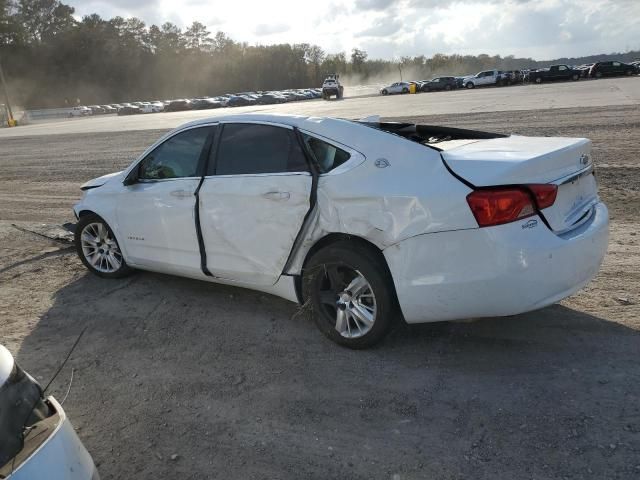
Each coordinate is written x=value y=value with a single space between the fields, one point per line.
x=351 y=295
x=385 y=92
x=575 y=77
x=538 y=80
x=470 y=85
x=405 y=90
x=98 y=248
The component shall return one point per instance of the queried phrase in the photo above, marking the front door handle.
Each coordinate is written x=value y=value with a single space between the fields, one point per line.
x=277 y=195
x=181 y=193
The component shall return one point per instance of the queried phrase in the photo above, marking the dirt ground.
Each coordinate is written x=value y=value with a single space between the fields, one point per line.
x=183 y=379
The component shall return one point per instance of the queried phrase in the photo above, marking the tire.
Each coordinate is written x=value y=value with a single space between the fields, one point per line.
x=447 y=87
x=598 y=75
x=326 y=276
x=405 y=90
x=92 y=234
x=575 y=77
x=538 y=80
x=385 y=92
x=470 y=85
x=628 y=73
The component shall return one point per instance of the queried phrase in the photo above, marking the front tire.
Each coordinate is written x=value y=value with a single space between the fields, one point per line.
x=98 y=248
x=385 y=92
x=405 y=90
x=351 y=295
x=538 y=80
x=470 y=85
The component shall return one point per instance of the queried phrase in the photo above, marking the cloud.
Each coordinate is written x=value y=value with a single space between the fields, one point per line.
x=542 y=29
x=374 y=4
x=382 y=27
x=264 y=29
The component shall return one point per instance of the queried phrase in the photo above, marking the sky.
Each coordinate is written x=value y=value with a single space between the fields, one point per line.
x=389 y=29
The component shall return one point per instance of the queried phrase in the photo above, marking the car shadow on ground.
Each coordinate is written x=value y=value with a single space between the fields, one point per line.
x=238 y=384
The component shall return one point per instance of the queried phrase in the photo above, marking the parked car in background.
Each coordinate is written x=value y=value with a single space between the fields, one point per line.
x=37 y=440
x=109 y=109
x=205 y=104
x=178 y=106
x=610 y=69
x=554 y=73
x=80 y=111
x=438 y=84
x=397 y=87
x=129 y=110
x=96 y=110
x=462 y=223
x=482 y=79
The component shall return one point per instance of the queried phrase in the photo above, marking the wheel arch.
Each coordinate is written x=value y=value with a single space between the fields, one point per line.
x=332 y=239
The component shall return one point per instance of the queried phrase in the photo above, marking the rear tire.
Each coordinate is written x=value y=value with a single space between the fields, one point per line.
x=538 y=80
x=447 y=87
x=405 y=90
x=575 y=77
x=598 y=74
x=98 y=248
x=351 y=295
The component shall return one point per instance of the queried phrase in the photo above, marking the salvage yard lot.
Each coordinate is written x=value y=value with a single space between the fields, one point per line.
x=239 y=384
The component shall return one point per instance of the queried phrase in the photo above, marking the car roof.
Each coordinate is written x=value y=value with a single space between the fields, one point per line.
x=337 y=129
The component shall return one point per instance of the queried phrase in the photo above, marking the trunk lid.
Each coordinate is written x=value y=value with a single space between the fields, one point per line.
x=519 y=160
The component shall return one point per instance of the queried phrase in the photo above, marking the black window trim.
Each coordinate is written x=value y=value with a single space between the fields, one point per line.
x=213 y=157
x=135 y=170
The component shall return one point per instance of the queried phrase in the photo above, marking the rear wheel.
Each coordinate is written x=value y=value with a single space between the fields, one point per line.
x=598 y=75
x=575 y=77
x=447 y=87
x=538 y=80
x=628 y=73
x=98 y=248
x=351 y=295
x=405 y=90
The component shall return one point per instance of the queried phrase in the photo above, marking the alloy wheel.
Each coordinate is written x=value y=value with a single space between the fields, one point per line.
x=348 y=301
x=100 y=248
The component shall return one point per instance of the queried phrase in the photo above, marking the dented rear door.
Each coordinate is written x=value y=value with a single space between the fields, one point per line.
x=253 y=201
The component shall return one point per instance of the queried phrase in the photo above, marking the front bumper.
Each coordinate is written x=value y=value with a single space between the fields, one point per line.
x=61 y=457
x=496 y=271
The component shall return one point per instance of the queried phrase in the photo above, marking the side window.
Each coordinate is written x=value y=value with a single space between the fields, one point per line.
x=616 y=64
x=177 y=157
x=562 y=68
x=247 y=148
x=326 y=156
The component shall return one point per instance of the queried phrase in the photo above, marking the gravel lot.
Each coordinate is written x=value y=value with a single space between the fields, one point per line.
x=177 y=378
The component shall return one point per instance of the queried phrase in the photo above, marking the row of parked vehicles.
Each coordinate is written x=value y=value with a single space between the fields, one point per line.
x=199 y=103
x=512 y=77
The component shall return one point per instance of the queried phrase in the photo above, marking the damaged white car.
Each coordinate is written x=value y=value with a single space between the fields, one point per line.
x=37 y=441
x=365 y=222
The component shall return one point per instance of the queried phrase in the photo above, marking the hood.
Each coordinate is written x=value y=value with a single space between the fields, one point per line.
x=98 y=182
x=6 y=365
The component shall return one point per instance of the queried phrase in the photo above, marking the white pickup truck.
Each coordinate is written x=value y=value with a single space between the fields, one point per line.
x=487 y=77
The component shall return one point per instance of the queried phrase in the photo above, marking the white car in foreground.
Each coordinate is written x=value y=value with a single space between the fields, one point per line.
x=364 y=222
x=37 y=441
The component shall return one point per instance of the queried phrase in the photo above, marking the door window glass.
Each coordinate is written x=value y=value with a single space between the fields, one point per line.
x=177 y=157
x=247 y=148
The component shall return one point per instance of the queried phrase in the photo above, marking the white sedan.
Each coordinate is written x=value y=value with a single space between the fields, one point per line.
x=397 y=87
x=365 y=222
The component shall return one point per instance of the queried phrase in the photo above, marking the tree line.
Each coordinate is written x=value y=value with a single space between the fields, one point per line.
x=52 y=60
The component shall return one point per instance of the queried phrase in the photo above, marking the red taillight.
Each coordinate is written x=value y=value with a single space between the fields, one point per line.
x=495 y=206
x=545 y=194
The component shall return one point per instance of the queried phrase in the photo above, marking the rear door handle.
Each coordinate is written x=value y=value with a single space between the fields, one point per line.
x=277 y=195
x=181 y=193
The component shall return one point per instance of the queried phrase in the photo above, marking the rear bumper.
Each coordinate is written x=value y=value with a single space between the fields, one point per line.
x=61 y=457
x=496 y=271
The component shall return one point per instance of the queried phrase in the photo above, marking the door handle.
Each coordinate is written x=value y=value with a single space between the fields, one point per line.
x=181 y=193
x=277 y=195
